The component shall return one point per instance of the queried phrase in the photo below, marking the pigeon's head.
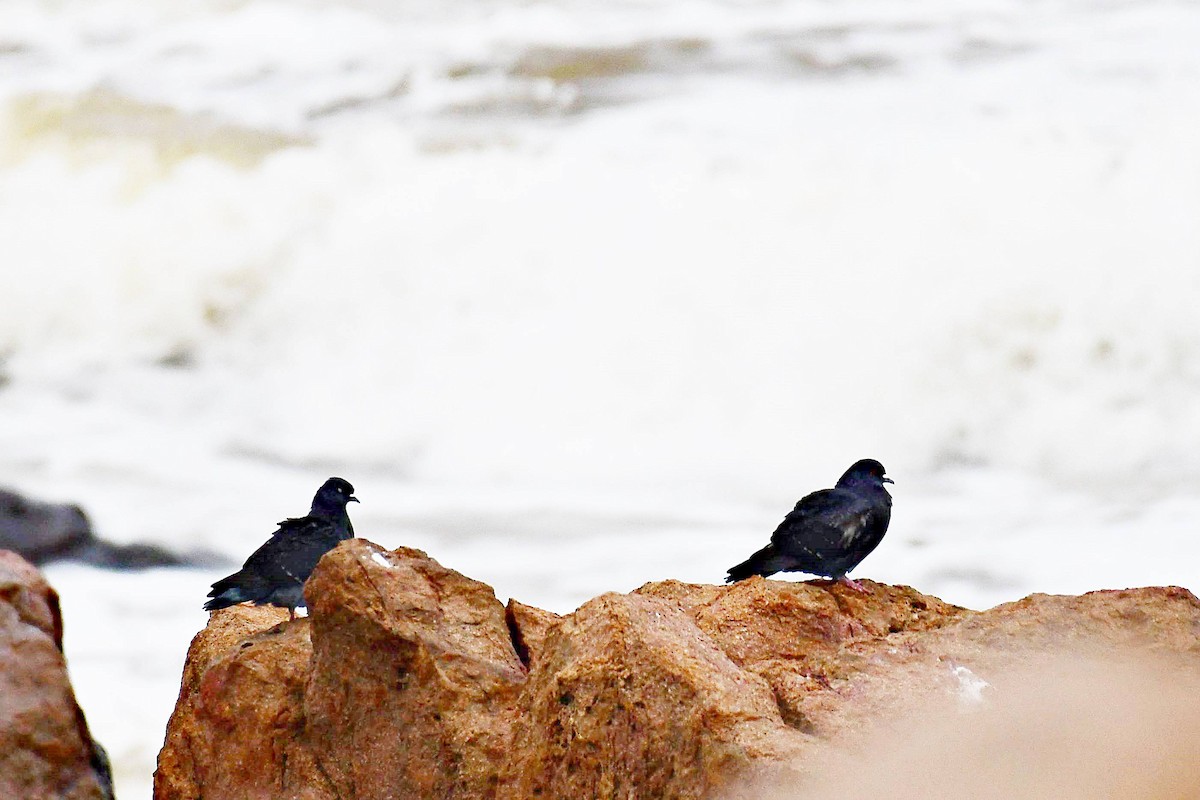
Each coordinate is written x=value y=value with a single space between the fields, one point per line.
x=867 y=472
x=333 y=495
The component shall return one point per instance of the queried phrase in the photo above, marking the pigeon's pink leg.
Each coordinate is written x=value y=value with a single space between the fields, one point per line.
x=854 y=585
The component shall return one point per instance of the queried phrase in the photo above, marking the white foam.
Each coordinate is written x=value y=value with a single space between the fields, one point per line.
x=570 y=336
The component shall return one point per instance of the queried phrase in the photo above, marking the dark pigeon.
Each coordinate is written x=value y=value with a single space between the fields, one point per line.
x=275 y=573
x=828 y=532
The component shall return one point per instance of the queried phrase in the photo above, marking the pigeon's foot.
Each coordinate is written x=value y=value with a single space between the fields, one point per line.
x=854 y=585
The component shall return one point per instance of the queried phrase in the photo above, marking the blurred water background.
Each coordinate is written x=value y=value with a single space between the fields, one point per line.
x=583 y=294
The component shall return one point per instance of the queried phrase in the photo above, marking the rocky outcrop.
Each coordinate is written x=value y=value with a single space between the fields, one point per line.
x=414 y=679
x=629 y=698
x=237 y=729
x=839 y=663
x=409 y=680
x=46 y=751
x=402 y=683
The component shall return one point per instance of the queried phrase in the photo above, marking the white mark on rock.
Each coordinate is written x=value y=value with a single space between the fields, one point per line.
x=381 y=559
x=970 y=688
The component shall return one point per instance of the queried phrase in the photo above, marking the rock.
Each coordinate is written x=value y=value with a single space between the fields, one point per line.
x=629 y=698
x=804 y=639
x=414 y=678
x=528 y=627
x=410 y=680
x=237 y=726
x=44 y=532
x=40 y=531
x=46 y=750
x=1067 y=728
x=401 y=683
x=924 y=666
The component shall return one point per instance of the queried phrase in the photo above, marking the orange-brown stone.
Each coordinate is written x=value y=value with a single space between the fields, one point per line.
x=410 y=680
x=46 y=751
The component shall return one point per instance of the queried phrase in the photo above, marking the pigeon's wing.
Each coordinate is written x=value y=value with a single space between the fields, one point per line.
x=291 y=555
x=342 y=526
x=823 y=522
x=292 y=524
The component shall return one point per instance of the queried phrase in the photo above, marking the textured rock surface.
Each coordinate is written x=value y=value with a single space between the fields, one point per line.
x=840 y=663
x=630 y=699
x=808 y=641
x=412 y=681
x=414 y=677
x=238 y=726
x=46 y=750
x=528 y=626
x=401 y=683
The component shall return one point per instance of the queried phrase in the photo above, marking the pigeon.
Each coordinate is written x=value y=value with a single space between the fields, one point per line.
x=829 y=531
x=275 y=573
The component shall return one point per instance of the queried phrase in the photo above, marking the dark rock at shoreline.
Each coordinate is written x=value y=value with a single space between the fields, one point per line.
x=44 y=532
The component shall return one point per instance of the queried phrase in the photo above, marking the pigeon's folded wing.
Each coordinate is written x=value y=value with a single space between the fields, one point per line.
x=292 y=556
x=830 y=517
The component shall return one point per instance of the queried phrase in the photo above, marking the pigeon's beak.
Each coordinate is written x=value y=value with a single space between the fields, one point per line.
x=352 y=499
x=887 y=480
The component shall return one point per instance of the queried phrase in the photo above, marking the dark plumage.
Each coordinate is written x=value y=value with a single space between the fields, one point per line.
x=828 y=532
x=275 y=573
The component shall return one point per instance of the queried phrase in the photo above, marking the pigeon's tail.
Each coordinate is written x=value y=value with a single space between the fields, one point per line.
x=237 y=588
x=765 y=562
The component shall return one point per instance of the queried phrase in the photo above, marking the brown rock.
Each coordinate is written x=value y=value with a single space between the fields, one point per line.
x=803 y=638
x=528 y=627
x=238 y=726
x=930 y=670
x=1153 y=619
x=414 y=676
x=840 y=662
x=1100 y=711
x=810 y=623
x=419 y=684
x=630 y=699
x=401 y=684
x=46 y=750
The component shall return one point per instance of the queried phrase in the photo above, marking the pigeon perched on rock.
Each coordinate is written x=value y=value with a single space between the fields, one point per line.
x=275 y=573
x=830 y=531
